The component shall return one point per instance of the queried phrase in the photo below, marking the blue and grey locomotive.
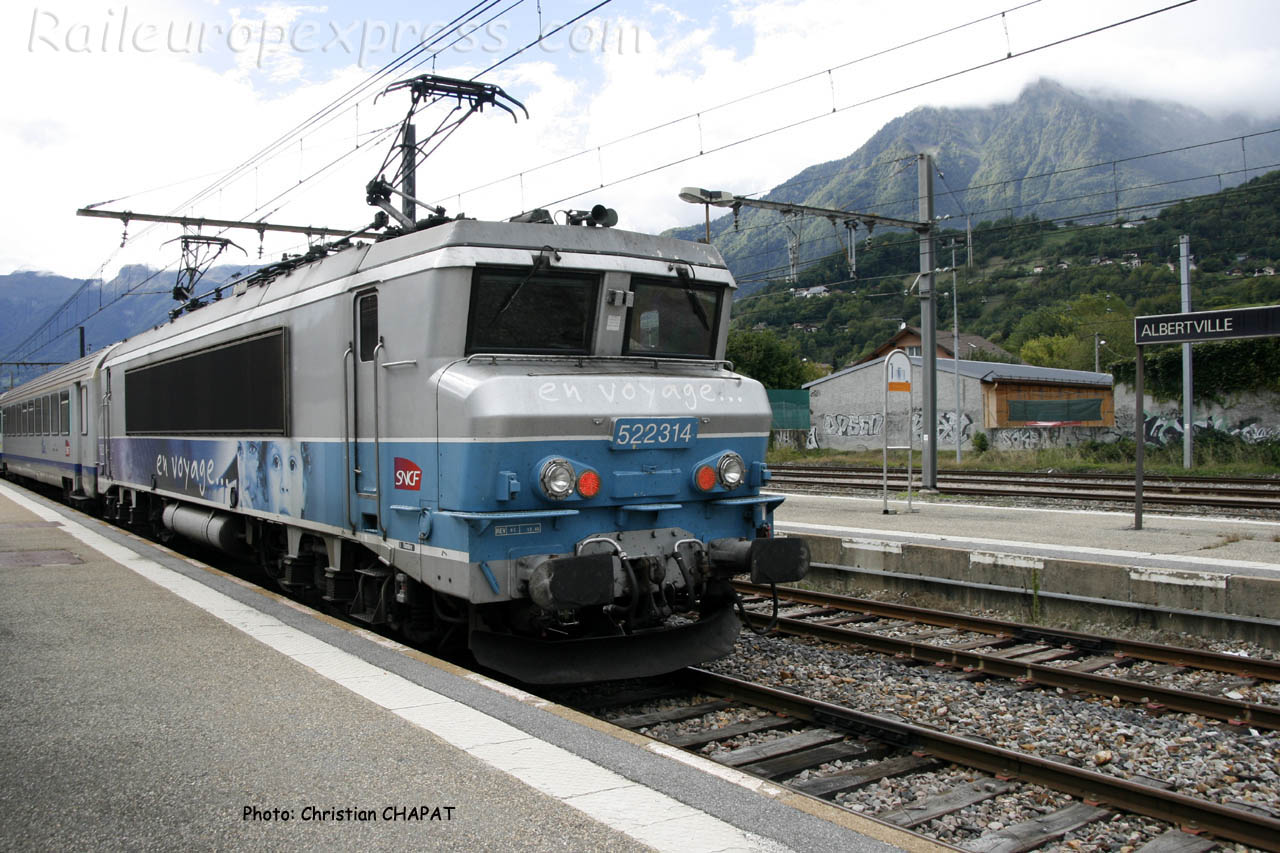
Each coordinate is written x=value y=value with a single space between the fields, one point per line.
x=521 y=435
x=518 y=436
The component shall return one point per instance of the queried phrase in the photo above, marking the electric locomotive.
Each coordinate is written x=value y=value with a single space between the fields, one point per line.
x=521 y=437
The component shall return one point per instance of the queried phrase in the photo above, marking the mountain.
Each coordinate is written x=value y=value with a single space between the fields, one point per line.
x=28 y=299
x=1034 y=156
x=1054 y=294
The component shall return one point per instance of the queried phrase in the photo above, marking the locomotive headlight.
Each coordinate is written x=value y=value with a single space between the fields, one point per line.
x=731 y=470
x=557 y=478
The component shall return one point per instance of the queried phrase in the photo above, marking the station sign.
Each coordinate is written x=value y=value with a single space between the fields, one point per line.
x=897 y=371
x=1227 y=324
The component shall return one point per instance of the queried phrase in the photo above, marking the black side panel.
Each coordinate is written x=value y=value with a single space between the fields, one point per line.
x=236 y=388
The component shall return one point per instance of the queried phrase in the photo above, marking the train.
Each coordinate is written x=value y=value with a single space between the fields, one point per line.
x=521 y=437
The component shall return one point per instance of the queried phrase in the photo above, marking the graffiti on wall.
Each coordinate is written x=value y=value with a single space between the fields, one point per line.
x=1165 y=429
x=947 y=427
x=858 y=426
x=872 y=425
x=1159 y=429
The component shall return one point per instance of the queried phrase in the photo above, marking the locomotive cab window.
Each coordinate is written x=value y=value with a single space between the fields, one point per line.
x=673 y=318
x=531 y=311
x=367 y=321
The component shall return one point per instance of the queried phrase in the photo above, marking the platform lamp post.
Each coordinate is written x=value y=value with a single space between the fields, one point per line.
x=955 y=346
x=1097 y=339
x=706 y=198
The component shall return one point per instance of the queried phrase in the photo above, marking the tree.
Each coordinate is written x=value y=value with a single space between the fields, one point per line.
x=1053 y=351
x=765 y=358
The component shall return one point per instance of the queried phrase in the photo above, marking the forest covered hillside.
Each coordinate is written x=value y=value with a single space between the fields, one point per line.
x=1040 y=289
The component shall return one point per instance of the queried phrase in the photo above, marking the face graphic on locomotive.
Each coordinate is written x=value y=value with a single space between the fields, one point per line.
x=272 y=475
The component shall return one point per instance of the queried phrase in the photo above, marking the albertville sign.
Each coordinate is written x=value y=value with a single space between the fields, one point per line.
x=1227 y=324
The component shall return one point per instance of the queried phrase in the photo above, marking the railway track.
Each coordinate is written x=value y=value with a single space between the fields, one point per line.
x=831 y=751
x=1220 y=492
x=1031 y=654
x=924 y=774
x=793 y=737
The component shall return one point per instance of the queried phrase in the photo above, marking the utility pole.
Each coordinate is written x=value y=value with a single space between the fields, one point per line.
x=928 y=311
x=408 y=167
x=928 y=327
x=82 y=341
x=1184 y=252
x=955 y=343
x=793 y=246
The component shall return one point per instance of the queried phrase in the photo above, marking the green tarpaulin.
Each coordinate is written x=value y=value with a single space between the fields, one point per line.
x=790 y=408
x=1080 y=409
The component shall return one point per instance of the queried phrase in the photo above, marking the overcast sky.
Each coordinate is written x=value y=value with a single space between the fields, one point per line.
x=145 y=104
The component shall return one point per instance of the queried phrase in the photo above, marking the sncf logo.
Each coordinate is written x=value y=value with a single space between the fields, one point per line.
x=408 y=475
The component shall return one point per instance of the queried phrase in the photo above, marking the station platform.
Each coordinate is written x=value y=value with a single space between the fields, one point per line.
x=152 y=702
x=1187 y=570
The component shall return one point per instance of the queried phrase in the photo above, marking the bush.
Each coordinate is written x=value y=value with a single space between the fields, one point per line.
x=980 y=443
x=1123 y=450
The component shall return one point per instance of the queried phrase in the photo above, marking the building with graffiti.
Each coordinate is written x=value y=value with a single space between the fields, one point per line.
x=1018 y=406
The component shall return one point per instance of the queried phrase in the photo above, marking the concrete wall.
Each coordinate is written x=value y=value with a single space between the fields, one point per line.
x=1209 y=603
x=1253 y=416
x=846 y=413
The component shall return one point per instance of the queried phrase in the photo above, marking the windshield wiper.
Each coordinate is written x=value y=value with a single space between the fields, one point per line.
x=538 y=263
x=696 y=304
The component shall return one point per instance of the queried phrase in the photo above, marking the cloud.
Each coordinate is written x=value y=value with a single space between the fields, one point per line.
x=625 y=93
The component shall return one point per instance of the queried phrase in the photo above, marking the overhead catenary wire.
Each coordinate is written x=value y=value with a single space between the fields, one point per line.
x=873 y=99
x=377 y=136
x=355 y=91
x=328 y=113
x=743 y=98
x=995 y=229
x=860 y=103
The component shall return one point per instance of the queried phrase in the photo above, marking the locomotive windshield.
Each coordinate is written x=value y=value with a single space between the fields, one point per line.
x=531 y=311
x=673 y=318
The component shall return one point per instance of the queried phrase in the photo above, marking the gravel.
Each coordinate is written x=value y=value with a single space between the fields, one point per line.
x=1197 y=756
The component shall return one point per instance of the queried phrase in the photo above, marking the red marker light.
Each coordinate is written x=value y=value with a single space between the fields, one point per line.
x=705 y=478
x=589 y=484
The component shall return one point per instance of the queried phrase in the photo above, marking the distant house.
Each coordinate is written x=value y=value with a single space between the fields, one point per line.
x=810 y=292
x=1019 y=406
x=908 y=340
